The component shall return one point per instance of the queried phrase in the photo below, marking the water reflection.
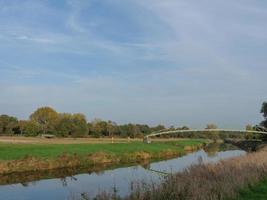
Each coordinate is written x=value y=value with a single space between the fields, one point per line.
x=94 y=182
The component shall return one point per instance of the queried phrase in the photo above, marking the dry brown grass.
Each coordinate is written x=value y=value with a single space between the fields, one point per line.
x=219 y=181
x=30 y=163
x=64 y=161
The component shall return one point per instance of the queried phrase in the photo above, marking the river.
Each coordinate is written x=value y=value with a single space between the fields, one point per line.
x=65 y=188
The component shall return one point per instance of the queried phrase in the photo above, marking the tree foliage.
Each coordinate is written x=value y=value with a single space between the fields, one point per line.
x=8 y=125
x=264 y=113
x=211 y=126
x=29 y=128
x=46 y=118
x=71 y=125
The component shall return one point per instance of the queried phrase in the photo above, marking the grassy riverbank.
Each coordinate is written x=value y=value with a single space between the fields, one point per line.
x=215 y=181
x=27 y=157
x=257 y=191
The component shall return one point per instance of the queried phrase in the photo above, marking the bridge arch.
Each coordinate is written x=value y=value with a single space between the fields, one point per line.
x=146 y=138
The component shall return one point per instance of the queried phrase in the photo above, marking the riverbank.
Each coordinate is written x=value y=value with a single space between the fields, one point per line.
x=257 y=191
x=216 y=181
x=18 y=158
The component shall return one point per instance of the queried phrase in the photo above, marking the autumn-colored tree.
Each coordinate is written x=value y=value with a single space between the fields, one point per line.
x=99 y=128
x=47 y=118
x=211 y=126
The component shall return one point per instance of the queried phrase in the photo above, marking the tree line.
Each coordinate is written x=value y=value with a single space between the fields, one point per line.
x=46 y=120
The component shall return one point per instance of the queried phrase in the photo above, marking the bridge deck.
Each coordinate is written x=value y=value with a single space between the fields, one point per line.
x=204 y=130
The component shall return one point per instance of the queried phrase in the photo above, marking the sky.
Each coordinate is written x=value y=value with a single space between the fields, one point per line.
x=172 y=62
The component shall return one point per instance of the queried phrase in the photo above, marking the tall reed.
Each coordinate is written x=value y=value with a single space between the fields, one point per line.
x=213 y=181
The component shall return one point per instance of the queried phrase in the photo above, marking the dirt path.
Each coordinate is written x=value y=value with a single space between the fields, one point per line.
x=39 y=140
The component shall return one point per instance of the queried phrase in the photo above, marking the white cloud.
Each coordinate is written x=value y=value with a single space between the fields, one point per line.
x=207 y=71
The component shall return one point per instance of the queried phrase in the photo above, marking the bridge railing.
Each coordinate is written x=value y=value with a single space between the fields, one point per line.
x=146 y=138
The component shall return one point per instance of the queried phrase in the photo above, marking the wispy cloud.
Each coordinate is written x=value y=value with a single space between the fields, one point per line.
x=144 y=61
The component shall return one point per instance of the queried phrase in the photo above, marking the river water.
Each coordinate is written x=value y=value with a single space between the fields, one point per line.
x=65 y=188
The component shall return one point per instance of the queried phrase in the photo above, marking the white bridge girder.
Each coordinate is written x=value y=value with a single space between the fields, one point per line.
x=146 y=138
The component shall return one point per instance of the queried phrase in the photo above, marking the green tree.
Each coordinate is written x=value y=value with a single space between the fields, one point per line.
x=99 y=128
x=158 y=128
x=47 y=118
x=144 y=129
x=249 y=127
x=29 y=128
x=264 y=113
x=8 y=125
x=79 y=128
x=112 y=128
x=214 y=135
x=71 y=125
x=64 y=125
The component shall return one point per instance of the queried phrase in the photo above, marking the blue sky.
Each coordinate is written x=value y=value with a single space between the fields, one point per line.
x=176 y=62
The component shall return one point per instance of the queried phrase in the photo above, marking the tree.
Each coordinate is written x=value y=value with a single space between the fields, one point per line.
x=99 y=128
x=134 y=131
x=112 y=128
x=8 y=124
x=214 y=135
x=144 y=129
x=211 y=126
x=46 y=118
x=264 y=112
x=64 y=125
x=29 y=128
x=249 y=127
x=158 y=128
x=71 y=125
x=79 y=125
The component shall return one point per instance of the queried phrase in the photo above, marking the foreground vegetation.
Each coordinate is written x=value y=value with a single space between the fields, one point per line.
x=27 y=157
x=219 y=181
x=257 y=191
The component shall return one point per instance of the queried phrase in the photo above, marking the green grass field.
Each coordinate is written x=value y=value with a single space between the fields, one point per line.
x=18 y=151
x=257 y=192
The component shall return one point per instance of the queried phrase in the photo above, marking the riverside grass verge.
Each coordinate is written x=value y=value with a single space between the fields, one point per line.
x=225 y=180
x=17 y=158
x=254 y=192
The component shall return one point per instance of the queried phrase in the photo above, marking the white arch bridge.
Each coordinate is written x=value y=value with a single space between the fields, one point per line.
x=258 y=130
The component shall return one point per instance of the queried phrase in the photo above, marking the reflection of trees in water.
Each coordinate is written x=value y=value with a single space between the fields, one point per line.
x=146 y=165
x=64 y=180
x=213 y=148
x=27 y=184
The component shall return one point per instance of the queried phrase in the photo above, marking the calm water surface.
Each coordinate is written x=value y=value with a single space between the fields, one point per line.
x=121 y=178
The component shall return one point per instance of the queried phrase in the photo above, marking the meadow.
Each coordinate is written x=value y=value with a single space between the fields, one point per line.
x=26 y=157
x=51 y=151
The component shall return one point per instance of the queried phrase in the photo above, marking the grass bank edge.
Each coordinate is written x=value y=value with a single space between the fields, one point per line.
x=257 y=191
x=16 y=158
